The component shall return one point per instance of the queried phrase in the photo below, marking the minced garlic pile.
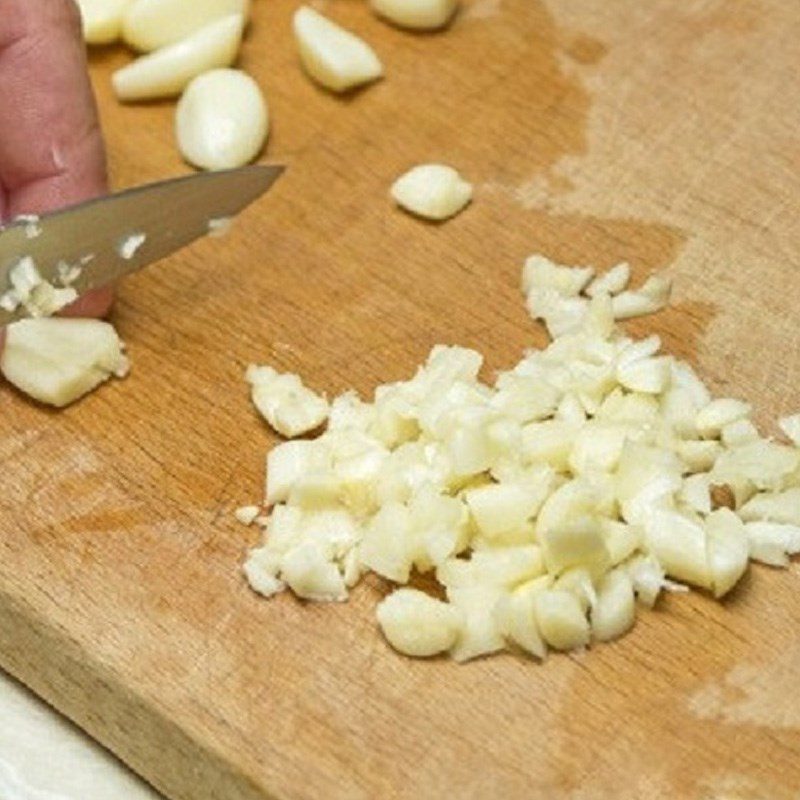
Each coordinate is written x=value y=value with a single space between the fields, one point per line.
x=593 y=474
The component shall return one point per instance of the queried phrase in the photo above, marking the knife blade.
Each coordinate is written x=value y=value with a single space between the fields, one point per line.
x=104 y=235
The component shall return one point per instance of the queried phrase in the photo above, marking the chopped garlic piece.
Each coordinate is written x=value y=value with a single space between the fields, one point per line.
x=781 y=507
x=772 y=542
x=261 y=570
x=561 y=619
x=720 y=413
x=615 y=611
x=222 y=120
x=334 y=57
x=57 y=361
x=540 y=272
x=647 y=375
x=166 y=72
x=479 y=634
x=219 y=226
x=432 y=191
x=102 y=19
x=416 y=14
x=545 y=504
x=652 y=296
x=30 y=290
x=247 y=514
x=31 y=222
x=612 y=282
x=130 y=245
x=791 y=427
x=419 y=625
x=515 y=617
x=310 y=574
x=150 y=25
x=288 y=406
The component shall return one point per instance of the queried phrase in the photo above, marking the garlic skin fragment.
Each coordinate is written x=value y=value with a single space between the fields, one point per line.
x=166 y=72
x=432 y=191
x=425 y=15
x=419 y=625
x=334 y=57
x=149 y=25
x=102 y=19
x=57 y=361
x=288 y=406
x=222 y=120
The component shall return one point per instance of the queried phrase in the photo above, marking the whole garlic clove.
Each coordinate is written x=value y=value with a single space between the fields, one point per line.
x=57 y=361
x=102 y=19
x=166 y=72
x=222 y=120
x=149 y=25
x=422 y=15
x=432 y=191
x=334 y=57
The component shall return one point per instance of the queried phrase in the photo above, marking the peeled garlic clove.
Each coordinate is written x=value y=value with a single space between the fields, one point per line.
x=102 y=19
x=57 y=361
x=331 y=55
x=152 y=24
x=416 y=14
x=166 y=72
x=222 y=120
x=432 y=191
x=418 y=625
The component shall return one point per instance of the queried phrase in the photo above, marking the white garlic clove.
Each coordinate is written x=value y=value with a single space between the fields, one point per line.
x=166 y=72
x=416 y=14
x=149 y=25
x=102 y=19
x=57 y=361
x=222 y=120
x=432 y=191
x=334 y=57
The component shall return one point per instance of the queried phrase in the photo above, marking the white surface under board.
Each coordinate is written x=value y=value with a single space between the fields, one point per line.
x=44 y=757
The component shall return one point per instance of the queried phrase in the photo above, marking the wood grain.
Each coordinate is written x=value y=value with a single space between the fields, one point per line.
x=661 y=133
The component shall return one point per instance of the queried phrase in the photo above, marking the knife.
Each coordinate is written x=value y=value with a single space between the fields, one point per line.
x=109 y=237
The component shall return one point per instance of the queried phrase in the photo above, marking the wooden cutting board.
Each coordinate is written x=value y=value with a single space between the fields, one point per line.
x=664 y=133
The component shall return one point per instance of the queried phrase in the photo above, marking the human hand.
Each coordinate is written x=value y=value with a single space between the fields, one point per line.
x=51 y=146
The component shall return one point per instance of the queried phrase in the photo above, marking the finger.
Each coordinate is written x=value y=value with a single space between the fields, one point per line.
x=96 y=303
x=51 y=153
x=51 y=148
